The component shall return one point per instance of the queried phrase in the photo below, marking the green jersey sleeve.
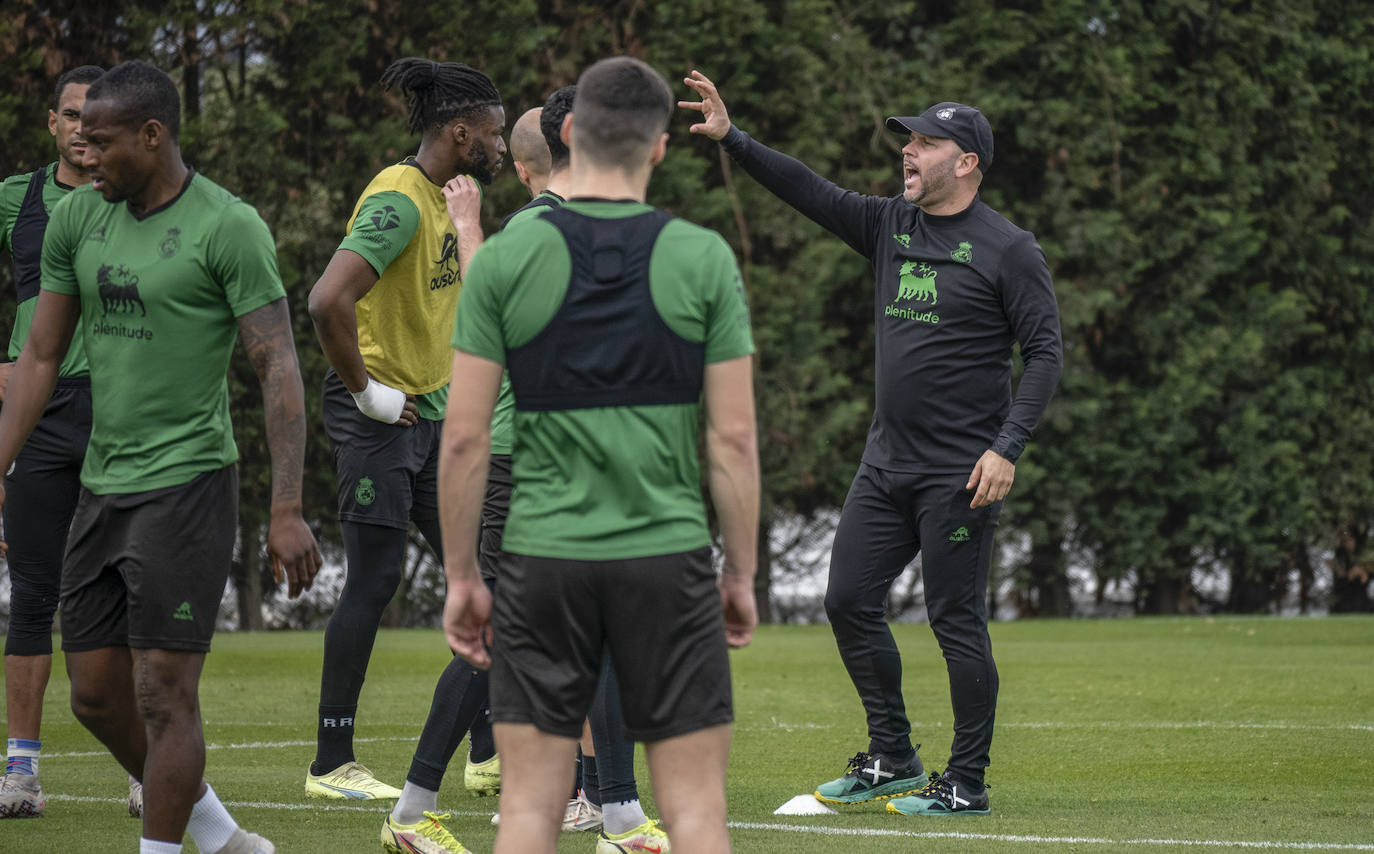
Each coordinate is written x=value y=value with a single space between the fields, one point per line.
x=11 y=200
x=698 y=290
x=728 y=335
x=477 y=328
x=60 y=242
x=242 y=257
x=383 y=228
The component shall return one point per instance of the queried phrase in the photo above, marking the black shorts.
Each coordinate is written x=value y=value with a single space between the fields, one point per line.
x=658 y=617
x=41 y=492
x=388 y=474
x=147 y=569
x=495 y=509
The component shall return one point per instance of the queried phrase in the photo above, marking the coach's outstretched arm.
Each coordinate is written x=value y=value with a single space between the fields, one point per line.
x=291 y=548
x=35 y=374
x=850 y=216
x=733 y=455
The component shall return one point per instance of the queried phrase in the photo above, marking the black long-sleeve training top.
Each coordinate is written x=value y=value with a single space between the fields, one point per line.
x=951 y=296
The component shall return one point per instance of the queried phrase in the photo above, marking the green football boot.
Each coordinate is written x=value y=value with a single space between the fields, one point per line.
x=873 y=777
x=943 y=796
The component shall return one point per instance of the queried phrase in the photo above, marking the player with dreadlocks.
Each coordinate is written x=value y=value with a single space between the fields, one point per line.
x=383 y=310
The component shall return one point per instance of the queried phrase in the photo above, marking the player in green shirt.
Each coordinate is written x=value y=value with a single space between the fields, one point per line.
x=45 y=480
x=159 y=270
x=614 y=320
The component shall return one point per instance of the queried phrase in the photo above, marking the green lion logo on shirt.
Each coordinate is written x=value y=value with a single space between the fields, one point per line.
x=917 y=282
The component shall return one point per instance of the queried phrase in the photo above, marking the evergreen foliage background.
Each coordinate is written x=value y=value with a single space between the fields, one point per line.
x=1196 y=171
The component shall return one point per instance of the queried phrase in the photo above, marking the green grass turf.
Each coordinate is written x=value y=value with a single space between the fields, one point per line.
x=1195 y=732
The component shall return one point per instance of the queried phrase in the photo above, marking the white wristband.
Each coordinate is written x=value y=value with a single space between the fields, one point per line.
x=380 y=402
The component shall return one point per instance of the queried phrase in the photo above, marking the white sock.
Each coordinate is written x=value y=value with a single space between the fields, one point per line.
x=23 y=756
x=622 y=816
x=413 y=804
x=210 y=824
x=152 y=846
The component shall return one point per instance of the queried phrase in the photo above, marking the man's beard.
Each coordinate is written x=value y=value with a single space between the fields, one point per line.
x=479 y=165
x=935 y=180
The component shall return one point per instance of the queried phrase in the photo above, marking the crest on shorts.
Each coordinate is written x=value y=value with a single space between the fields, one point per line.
x=365 y=493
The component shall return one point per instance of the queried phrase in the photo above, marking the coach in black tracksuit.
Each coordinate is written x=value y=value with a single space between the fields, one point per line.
x=956 y=284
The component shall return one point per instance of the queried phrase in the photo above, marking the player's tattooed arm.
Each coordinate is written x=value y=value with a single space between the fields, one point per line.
x=266 y=334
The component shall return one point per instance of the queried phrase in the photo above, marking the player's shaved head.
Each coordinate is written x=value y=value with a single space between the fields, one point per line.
x=527 y=144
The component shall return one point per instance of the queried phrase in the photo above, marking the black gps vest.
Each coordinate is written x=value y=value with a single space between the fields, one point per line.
x=27 y=238
x=606 y=345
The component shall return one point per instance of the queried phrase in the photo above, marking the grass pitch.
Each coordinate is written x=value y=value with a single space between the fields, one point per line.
x=1125 y=735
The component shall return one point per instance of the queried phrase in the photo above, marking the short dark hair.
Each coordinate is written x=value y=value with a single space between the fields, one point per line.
x=83 y=75
x=621 y=108
x=140 y=92
x=556 y=109
x=439 y=92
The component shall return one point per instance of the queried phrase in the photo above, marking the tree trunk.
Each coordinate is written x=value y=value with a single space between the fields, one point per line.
x=190 y=72
x=1166 y=590
x=763 y=581
x=1049 y=582
x=247 y=575
x=1351 y=571
x=1250 y=593
x=1306 y=576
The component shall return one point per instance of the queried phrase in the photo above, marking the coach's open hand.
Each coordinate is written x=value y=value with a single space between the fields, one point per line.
x=715 y=121
x=293 y=552
x=467 y=619
x=992 y=477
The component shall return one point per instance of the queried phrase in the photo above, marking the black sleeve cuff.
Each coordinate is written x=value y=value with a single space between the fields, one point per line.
x=735 y=141
x=1008 y=447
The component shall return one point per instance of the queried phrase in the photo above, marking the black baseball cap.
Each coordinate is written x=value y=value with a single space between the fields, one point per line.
x=948 y=120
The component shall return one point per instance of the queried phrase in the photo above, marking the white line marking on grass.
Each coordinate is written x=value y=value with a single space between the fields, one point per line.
x=1050 y=840
x=246 y=745
x=774 y=724
x=1179 y=725
x=379 y=807
x=821 y=830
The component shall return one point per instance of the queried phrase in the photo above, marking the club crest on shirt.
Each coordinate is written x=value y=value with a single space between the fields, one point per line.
x=171 y=243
